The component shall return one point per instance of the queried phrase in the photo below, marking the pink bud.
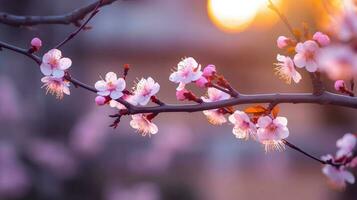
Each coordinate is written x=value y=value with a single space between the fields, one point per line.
x=321 y=38
x=208 y=71
x=282 y=42
x=201 y=82
x=36 y=43
x=99 y=100
x=180 y=94
x=339 y=85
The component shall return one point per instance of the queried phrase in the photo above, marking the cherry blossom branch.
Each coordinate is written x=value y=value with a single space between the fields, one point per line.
x=318 y=87
x=326 y=98
x=72 y=17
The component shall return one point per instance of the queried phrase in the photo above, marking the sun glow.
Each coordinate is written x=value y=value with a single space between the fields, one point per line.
x=235 y=15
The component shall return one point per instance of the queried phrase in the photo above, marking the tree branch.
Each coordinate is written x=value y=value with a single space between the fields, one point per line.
x=326 y=98
x=72 y=17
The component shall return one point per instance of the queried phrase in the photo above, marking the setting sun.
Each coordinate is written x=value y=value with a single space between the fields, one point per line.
x=234 y=15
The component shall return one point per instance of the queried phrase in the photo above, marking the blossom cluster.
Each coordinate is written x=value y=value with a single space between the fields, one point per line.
x=345 y=158
x=257 y=122
x=54 y=67
x=317 y=53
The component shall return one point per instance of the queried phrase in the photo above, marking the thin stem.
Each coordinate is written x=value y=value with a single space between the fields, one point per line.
x=72 y=17
x=309 y=155
x=72 y=35
x=21 y=51
x=283 y=18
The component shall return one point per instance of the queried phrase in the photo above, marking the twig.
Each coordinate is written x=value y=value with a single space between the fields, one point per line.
x=337 y=165
x=72 y=17
x=283 y=18
x=72 y=35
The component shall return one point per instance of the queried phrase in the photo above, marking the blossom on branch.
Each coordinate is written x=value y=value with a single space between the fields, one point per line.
x=144 y=90
x=346 y=145
x=306 y=55
x=188 y=70
x=338 y=176
x=243 y=126
x=271 y=132
x=345 y=158
x=112 y=86
x=285 y=69
x=338 y=61
x=215 y=116
x=143 y=124
x=53 y=64
x=56 y=86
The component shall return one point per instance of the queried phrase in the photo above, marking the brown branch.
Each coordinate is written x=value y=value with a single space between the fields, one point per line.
x=72 y=17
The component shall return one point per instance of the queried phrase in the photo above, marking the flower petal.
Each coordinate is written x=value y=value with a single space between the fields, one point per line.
x=64 y=63
x=100 y=85
x=46 y=69
x=58 y=73
x=116 y=94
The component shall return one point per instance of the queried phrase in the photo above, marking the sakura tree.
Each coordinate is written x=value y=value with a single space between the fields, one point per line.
x=331 y=55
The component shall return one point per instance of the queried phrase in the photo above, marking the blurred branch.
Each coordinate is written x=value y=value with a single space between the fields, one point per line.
x=72 y=17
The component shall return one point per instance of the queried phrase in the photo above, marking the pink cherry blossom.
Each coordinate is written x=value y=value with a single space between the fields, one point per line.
x=209 y=71
x=36 y=43
x=282 y=42
x=56 y=86
x=321 y=38
x=188 y=70
x=215 y=116
x=285 y=69
x=338 y=61
x=346 y=145
x=144 y=126
x=111 y=86
x=271 y=132
x=243 y=127
x=345 y=26
x=144 y=90
x=201 y=82
x=306 y=55
x=54 y=64
x=338 y=177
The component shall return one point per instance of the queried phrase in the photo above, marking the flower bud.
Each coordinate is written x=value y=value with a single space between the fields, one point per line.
x=208 y=71
x=180 y=94
x=321 y=38
x=201 y=82
x=282 y=42
x=36 y=43
x=100 y=100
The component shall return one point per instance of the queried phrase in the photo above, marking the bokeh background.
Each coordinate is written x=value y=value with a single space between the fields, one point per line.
x=52 y=149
